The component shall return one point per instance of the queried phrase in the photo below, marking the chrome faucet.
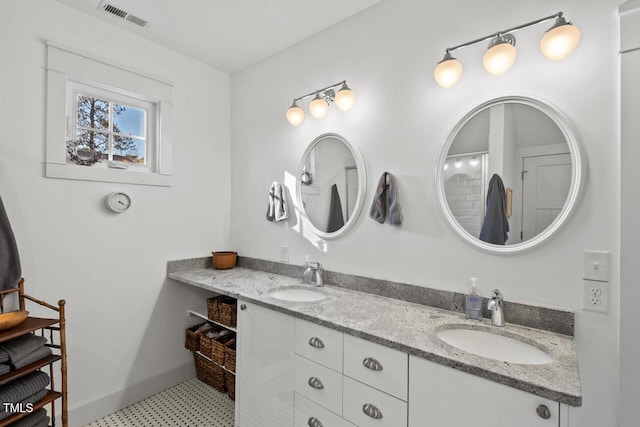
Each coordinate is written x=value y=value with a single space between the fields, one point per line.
x=495 y=306
x=313 y=272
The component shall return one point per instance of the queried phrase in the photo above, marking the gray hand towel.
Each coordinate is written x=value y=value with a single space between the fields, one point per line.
x=23 y=389
x=33 y=419
x=21 y=347
x=495 y=227
x=386 y=199
x=10 y=270
x=336 y=219
x=32 y=357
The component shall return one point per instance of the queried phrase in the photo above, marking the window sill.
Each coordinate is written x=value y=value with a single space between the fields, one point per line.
x=87 y=173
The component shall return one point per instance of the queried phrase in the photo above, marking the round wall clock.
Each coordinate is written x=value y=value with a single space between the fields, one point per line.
x=117 y=202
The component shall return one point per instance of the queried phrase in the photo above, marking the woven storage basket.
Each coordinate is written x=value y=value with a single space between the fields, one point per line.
x=212 y=309
x=214 y=348
x=192 y=339
x=230 y=382
x=227 y=308
x=210 y=373
x=223 y=309
x=230 y=357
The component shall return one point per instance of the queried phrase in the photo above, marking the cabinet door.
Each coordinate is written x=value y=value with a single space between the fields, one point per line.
x=308 y=413
x=367 y=407
x=373 y=364
x=441 y=396
x=264 y=383
x=319 y=343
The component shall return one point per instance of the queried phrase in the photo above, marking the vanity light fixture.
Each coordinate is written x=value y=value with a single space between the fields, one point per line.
x=322 y=98
x=457 y=163
x=558 y=42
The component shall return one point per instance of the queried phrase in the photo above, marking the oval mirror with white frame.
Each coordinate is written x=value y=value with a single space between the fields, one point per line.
x=331 y=185
x=512 y=163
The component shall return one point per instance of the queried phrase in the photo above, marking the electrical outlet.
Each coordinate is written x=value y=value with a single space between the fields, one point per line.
x=595 y=296
x=284 y=254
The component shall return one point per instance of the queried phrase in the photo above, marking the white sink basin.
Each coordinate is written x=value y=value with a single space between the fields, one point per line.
x=297 y=294
x=494 y=346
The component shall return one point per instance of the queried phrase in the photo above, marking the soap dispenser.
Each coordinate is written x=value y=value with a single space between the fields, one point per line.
x=473 y=301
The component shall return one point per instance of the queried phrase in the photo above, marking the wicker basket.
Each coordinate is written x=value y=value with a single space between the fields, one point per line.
x=214 y=348
x=210 y=373
x=223 y=309
x=192 y=338
x=230 y=357
x=230 y=382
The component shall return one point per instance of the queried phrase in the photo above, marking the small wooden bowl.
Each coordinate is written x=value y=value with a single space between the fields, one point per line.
x=224 y=260
x=12 y=318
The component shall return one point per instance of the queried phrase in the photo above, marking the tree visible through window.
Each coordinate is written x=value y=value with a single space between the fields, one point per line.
x=116 y=131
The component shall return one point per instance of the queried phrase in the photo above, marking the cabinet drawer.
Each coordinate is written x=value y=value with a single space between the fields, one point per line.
x=309 y=414
x=319 y=343
x=387 y=368
x=383 y=410
x=318 y=383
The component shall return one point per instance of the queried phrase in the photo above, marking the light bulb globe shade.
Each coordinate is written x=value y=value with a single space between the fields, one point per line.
x=457 y=164
x=318 y=107
x=499 y=58
x=448 y=71
x=295 y=115
x=560 y=41
x=474 y=161
x=345 y=98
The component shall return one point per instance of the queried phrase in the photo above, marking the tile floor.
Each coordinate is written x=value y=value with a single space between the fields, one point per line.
x=188 y=404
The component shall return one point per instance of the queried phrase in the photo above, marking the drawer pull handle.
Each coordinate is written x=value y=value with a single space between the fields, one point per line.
x=316 y=383
x=314 y=422
x=543 y=412
x=316 y=342
x=243 y=306
x=371 y=411
x=372 y=364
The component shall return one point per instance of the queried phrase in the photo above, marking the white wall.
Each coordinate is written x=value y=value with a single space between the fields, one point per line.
x=125 y=320
x=399 y=122
x=629 y=207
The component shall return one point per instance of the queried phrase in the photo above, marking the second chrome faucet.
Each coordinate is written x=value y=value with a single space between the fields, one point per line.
x=312 y=273
x=495 y=306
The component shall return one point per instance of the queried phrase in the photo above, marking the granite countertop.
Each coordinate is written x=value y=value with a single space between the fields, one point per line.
x=405 y=326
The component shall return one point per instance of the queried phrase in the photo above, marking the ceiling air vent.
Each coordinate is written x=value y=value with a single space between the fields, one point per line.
x=116 y=11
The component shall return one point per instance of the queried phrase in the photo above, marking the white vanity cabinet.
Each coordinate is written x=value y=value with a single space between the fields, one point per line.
x=341 y=380
x=440 y=396
x=264 y=382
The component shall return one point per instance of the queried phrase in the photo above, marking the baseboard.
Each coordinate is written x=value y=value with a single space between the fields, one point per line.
x=106 y=405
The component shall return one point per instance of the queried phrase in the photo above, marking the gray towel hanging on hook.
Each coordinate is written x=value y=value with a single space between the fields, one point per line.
x=10 y=270
x=385 y=201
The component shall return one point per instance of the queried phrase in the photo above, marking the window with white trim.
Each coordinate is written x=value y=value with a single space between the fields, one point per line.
x=110 y=127
x=106 y=123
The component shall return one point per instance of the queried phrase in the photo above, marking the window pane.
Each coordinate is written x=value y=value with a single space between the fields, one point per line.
x=90 y=141
x=129 y=150
x=129 y=120
x=92 y=112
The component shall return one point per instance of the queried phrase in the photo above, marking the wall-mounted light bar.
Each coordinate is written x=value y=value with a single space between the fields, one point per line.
x=557 y=43
x=319 y=106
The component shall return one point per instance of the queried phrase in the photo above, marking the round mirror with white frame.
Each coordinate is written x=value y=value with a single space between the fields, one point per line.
x=331 y=185
x=511 y=168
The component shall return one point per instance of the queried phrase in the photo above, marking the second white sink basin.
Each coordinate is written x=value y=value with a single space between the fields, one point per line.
x=494 y=346
x=297 y=294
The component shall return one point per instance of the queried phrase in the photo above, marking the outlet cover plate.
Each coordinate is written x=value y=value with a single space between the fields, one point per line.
x=595 y=296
